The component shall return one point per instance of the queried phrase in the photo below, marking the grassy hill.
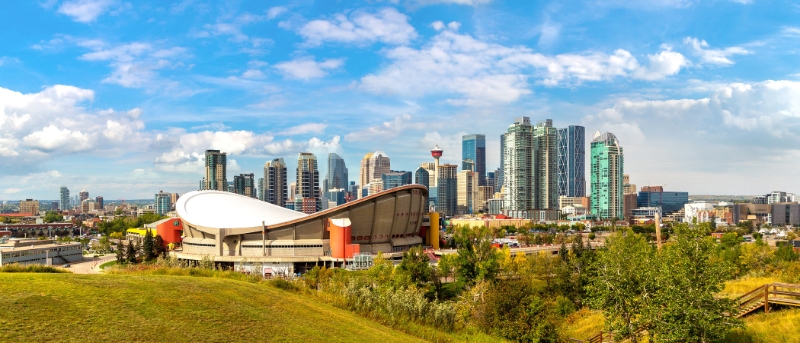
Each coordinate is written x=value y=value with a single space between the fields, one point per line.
x=146 y=308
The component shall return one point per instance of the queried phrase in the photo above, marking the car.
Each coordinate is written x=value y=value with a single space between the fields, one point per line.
x=67 y=265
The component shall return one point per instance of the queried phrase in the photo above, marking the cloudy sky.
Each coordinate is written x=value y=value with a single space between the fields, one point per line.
x=122 y=98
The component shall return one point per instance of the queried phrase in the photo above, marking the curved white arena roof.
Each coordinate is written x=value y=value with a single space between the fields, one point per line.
x=216 y=209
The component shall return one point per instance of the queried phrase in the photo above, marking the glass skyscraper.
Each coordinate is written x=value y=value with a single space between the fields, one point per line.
x=571 y=161
x=473 y=155
x=394 y=179
x=606 y=171
x=669 y=202
x=64 y=205
x=336 y=177
x=422 y=177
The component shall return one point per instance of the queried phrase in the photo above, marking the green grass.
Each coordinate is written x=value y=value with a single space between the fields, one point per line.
x=777 y=326
x=155 y=308
x=108 y=264
x=583 y=324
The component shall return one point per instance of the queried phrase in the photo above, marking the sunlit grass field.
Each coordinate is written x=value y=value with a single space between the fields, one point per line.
x=148 y=308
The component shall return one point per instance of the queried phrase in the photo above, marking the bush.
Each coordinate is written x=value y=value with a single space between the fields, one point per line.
x=31 y=268
x=284 y=285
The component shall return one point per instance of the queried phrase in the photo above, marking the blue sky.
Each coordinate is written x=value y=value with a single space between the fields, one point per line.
x=122 y=98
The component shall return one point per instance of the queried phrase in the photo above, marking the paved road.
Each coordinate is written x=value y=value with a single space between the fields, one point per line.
x=91 y=265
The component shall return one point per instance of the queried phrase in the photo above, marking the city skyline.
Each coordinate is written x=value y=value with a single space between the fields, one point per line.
x=123 y=99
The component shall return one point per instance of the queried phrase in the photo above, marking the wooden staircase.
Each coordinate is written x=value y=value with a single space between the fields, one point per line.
x=772 y=293
x=776 y=293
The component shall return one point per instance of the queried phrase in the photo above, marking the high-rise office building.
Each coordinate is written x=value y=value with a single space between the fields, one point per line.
x=473 y=155
x=422 y=177
x=307 y=179
x=627 y=186
x=336 y=177
x=173 y=199
x=99 y=200
x=275 y=183
x=447 y=189
x=491 y=179
x=261 y=189
x=500 y=176
x=245 y=184
x=545 y=165
x=64 y=202
x=337 y=196
x=216 y=177
x=395 y=179
x=373 y=166
x=518 y=160
x=83 y=195
x=530 y=168
x=467 y=181
x=292 y=191
x=607 y=170
x=352 y=191
x=480 y=202
x=163 y=203
x=571 y=161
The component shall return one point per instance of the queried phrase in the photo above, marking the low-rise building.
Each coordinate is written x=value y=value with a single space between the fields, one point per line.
x=34 y=251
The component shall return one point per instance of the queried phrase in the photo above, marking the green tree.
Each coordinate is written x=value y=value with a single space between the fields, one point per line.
x=477 y=260
x=159 y=248
x=446 y=265
x=120 y=253
x=688 y=276
x=624 y=286
x=786 y=253
x=130 y=253
x=148 y=247
x=415 y=265
x=53 y=217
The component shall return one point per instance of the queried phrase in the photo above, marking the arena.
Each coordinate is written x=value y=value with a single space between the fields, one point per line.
x=231 y=228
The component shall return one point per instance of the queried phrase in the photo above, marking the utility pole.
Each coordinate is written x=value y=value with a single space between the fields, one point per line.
x=658 y=230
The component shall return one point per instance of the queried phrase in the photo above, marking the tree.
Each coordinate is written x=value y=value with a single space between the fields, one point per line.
x=148 y=246
x=446 y=265
x=415 y=265
x=52 y=217
x=477 y=260
x=786 y=253
x=684 y=306
x=159 y=248
x=120 y=254
x=130 y=253
x=624 y=285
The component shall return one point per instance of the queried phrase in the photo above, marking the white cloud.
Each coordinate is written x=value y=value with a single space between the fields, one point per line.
x=304 y=129
x=187 y=154
x=86 y=11
x=386 y=130
x=232 y=27
x=361 y=27
x=486 y=73
x=253 y=74
x=437 y=25
x=713 y=56
x=738 y=130
x=52 y=122
x=134 y=65
x=274 y=12
x=308 y=68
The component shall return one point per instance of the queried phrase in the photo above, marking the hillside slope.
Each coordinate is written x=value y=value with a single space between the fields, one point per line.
x=133 y=308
